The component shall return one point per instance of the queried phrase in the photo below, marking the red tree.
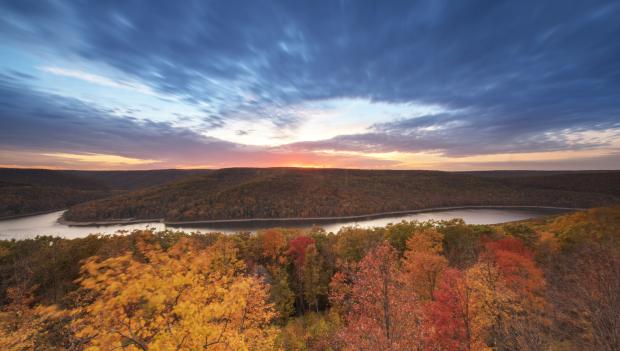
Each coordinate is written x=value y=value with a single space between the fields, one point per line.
x=384 y=315
x=297 y=249
x=448 y=317
x=516 y=264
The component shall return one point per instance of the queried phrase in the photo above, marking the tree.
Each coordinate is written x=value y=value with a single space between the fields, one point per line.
x=273 y=245
x=24 y=328
x=297 y=252
x=462 y=243
x=297 y=249
x=312 y=331
x=354 y=243
x=586 y=292
x=449 y=317
x=340 y=287
x=179 y=299
x=281 y=295
x=314 y=283
x=522 y=232
x=507 y=293
x=384 y=315
x=423 y=263
x=397 y=234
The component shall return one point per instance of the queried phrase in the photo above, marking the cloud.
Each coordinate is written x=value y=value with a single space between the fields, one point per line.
x=97 y=79
x=100 y=159
x=38 y=128
x=458 y=135
x=517 y=76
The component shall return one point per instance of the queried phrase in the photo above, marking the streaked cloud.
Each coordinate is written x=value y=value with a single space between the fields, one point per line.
x=101 y=159
x=97 y=79
x=409 y=84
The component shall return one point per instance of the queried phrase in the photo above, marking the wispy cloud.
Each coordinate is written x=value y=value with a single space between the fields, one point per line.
x=98 y=79
x=101 y=159
x=325 y=81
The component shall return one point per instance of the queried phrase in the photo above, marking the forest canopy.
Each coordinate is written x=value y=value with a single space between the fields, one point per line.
x=246 y=193
x=438 y=285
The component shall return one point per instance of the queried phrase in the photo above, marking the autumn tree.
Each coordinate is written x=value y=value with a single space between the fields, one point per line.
x=280 y=293
x=314 y=281
x=269 y=250
x=180 y=299
x=353 y=243
x=449 y=317
x=311 y=332
x=423 y=263
x=23 y=327
x=273 y=245
x=398 y=234
x=462 y=242
x=297 y=249
x=297 y=253
x=384 y=315
x=586 y=292
x=507 y=292
x=522 y=232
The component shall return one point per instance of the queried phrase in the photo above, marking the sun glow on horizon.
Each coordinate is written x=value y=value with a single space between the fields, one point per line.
x=104 y=159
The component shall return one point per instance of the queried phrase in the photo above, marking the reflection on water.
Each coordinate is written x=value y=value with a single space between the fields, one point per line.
x=46 y=224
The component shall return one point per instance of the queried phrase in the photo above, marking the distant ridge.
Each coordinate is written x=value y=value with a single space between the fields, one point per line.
x=271 y=193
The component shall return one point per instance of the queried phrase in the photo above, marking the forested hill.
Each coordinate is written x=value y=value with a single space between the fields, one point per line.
x=244 y=193
x=545 y=284
x=27 y=191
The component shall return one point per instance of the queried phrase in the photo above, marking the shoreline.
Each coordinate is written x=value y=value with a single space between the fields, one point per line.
x=23 y=215
x=62 y=221
x=109 y=222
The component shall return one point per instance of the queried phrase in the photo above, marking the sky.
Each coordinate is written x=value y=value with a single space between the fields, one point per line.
x=447 y=85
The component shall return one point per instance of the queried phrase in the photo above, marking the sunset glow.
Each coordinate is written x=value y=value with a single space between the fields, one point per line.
x=398 y=85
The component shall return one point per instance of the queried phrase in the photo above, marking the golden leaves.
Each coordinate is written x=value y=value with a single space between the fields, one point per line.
x=181 y=299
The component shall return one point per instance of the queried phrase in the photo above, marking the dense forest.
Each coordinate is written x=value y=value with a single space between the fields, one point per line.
x=28 y=191
x=243 y=193
x=546 y=284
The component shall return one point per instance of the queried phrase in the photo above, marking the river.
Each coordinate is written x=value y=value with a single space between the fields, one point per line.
x=47 y=224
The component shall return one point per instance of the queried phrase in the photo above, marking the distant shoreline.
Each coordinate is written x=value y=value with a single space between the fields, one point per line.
x=63 y=221
x=23 y=215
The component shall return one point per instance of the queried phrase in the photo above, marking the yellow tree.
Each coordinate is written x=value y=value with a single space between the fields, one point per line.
x=507 y=296
x=273 y=244
x=180 y=299
x=423 y=263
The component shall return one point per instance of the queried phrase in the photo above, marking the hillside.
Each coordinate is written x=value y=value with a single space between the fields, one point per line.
x=546 y=278
x=242 y=193
x=132 y=180
x=27 y=191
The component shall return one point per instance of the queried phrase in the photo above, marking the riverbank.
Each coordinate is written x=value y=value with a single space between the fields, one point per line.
x=48 y=224
x=302 y=220
x=24 y=215
x=63 y=221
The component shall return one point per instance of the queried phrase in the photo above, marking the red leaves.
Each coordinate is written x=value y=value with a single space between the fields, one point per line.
x=384 y=314
x=516 y=264
x=448 y=316
x=297 y=249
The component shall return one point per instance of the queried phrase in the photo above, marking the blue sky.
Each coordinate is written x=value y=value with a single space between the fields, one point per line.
x=364 y=84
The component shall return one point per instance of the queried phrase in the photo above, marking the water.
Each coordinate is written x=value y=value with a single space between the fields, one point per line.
x=47 y=224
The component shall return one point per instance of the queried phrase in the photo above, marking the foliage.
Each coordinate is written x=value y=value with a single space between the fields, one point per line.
x=383 y=316
x=180 y=299
x=544 y=284
x=301 y=193
x=312 y=331
x=507 y=295
x=423 y=263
